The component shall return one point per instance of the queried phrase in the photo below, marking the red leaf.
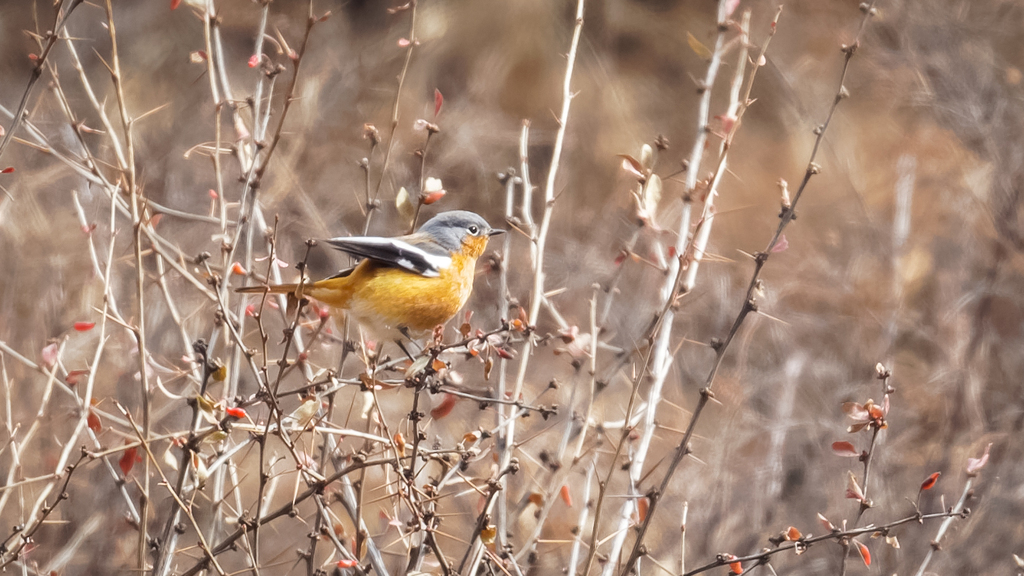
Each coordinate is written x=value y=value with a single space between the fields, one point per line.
x=213 y=194
x=94 y=422
x=175 y=4
x=444 y=408
x=844 y=449
x=930 y=482
x=7 y=170
x=431 y=197
x=128 y=460
x=438 y=102
x=84 y=326
x=506 y=354
x=236 y=268
x=75 y=376
x=566 y=495
x=736 y=567
x=793 y=534
x=250 y=310
x=235 y=412
x=865 y=554
x=254 y=60
x=347 y=563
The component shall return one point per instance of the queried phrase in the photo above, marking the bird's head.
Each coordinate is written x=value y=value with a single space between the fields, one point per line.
x=460 y=231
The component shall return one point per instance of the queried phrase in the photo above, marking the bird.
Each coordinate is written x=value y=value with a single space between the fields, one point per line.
x=406 y=285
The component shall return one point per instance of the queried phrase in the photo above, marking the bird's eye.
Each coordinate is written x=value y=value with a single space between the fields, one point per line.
x=474 y=229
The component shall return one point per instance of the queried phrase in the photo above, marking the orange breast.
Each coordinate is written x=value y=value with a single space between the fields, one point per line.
x=383 y=299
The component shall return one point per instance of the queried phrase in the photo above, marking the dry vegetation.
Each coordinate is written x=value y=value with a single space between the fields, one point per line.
x=661 y=344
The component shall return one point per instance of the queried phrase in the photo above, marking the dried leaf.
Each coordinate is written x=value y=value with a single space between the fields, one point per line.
x=438 y=102
x=632 y=165
x=399 y=444
x=128 y=459
x=444 y=408
x=698 y=48
x=404 y=205
x=855 y=410
x=642 y=506
x=487 y=535
x=975 y=464
x=49 y=354
x=419 y=365
x=853 y=490
x=826 y=523
x=306 y=411
x=647 y=157
x=93 y=420
x=74 y=377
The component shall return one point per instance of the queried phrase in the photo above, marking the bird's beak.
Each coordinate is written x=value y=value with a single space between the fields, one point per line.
x=495 y=232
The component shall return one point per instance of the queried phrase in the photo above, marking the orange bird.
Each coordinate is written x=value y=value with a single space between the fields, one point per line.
x=405 y=285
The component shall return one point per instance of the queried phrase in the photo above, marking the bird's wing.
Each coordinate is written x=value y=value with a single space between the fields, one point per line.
x=420 y=258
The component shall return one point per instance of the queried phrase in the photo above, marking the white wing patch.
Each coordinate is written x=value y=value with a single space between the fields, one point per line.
x=394 y=252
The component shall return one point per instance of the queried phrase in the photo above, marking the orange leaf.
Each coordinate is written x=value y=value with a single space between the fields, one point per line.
x=641 y=508
x=444 y=408
x=536 y=498
x=844 y=449
x=793 y=534
x=438 y=365
x=865 y=554
x=736 y=567
x=347 y=563
x=431 y=197
x=236 y=268
x=94 y=422
x=930 y=482
x=566 y=495
x=400 y=444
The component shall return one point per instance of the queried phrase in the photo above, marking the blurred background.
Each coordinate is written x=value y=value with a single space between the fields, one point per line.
x=907 y=251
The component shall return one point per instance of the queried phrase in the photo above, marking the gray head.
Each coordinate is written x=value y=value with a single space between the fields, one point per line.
x=449 y=229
